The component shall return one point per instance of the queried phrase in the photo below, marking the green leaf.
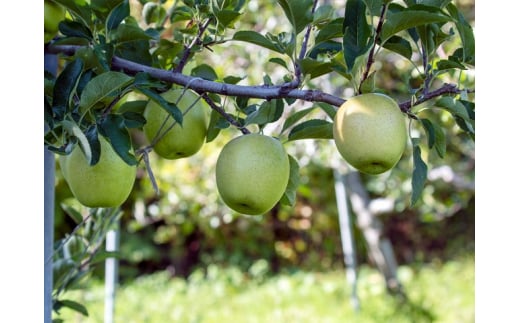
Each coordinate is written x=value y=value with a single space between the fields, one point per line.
x=328 y=109
x=113 y=128
x=466 y=34
x=369 y=84
x=101 y=87
x=227 y=18
x=323 y=15
x=329 y=47
x=133 y=119
x=216 y=123
x=436 y=137
x=279 y=61
x=406 y=19
x=130 y=33
x=65 y=84
x=314 y=68
x=399 y=45
x=451 y=62
x=295 y=117
x=312 y=129
x=74 y=130
x=297 y=12
x=230 y=79
x=153 y=13
x=204 y=71
x=458 y=110
x=117 y=15
x=74 y=214
x=440 y=141
x=75 y=29
x=330 y=31
x=374 y=7
x=357 y=36
x=258 y=39
x=420 y=172
x=434 y=3
x=136 y=106
x=91 y=134
x=289 y=196
x=78 y=8
x=171 y=108
x=269 y=111
x=73 y=305
x=430 y=131
x=103 y=255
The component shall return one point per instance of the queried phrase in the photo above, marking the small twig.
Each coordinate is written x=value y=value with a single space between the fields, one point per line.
x=187 y=51
x=223 y=113
x=76 y=228
x=370 y=61
x=297 y=68
x=445 y=89
x=145 y=152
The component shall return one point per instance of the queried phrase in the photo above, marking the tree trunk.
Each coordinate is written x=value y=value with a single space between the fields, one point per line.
x=380 y=249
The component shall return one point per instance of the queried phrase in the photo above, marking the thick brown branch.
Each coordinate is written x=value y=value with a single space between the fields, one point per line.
x=261 y=92
x=267 y=92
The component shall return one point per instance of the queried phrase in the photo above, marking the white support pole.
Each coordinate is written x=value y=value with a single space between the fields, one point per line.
x=111 y=273
x=347 y=239
x=50 y=65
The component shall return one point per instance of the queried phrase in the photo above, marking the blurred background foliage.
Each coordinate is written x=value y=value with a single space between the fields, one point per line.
x=186 y=228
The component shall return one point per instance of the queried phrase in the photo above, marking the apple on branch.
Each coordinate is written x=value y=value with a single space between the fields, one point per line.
x=370 y=132
x=252 y=173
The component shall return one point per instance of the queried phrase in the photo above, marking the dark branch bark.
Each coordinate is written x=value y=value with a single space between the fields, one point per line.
x=266 y=92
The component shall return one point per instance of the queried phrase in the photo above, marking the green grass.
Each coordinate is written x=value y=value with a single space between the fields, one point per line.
x=436 y=292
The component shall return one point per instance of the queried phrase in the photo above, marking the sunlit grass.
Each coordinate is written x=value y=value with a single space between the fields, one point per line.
x=436 y=293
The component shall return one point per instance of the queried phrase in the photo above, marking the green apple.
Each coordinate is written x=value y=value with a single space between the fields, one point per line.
x=106 y=184
x=252 y=173
x=370 y=132
x=179 y=141
x=53 y=14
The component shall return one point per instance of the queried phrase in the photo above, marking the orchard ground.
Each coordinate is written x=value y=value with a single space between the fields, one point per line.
x=440 y=292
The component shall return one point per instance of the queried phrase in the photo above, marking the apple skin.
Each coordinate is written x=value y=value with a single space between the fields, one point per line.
x=180 y=141
x=53 y=14
x=106 y=184
x=252 y=173
x=370 y=132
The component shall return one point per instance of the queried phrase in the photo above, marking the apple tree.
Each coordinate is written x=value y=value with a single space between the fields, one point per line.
x=119 y=58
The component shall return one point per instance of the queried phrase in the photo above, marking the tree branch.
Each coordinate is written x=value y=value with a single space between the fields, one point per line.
x=297 y=68
x=372 y=50
x=267 y=92
x=445 y=89
x=226 y=116
x=187 y=51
